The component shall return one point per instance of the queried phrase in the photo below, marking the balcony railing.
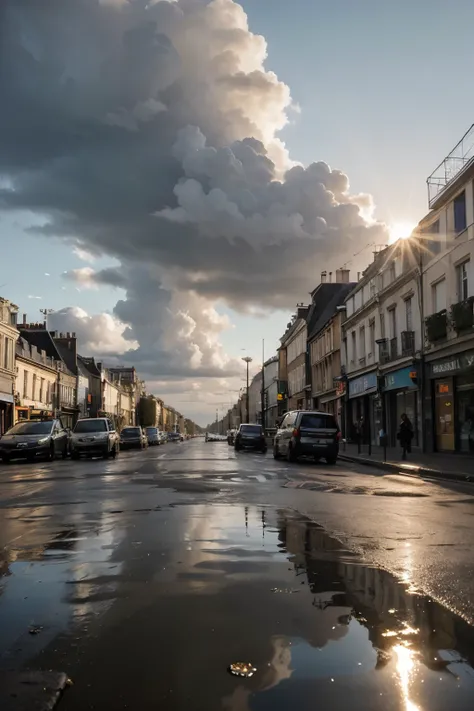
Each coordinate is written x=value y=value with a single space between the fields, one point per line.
x=462 y=315
x=437 y=326
x=408 y=343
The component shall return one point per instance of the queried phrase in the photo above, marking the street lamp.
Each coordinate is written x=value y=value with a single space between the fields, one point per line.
x=247 y=359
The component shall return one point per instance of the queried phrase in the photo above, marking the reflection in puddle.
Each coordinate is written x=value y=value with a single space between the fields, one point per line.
x=196 y=587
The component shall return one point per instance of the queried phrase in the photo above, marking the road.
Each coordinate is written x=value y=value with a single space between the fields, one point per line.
x=143 y=578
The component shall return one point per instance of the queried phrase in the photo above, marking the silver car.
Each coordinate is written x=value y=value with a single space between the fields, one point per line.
x=153 y=436
x=34 y=438
x=94 y=435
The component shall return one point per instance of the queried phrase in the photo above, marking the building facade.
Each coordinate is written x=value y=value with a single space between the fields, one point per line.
x=447 y=232
x=36 y=381
x=271 y=392
x=382 y=346
x=294 y=343
x=8 y=336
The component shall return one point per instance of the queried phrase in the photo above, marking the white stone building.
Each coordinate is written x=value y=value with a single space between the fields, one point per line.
x=36 y=380
x=381 y=345
x=448 y=294
x=8 y=336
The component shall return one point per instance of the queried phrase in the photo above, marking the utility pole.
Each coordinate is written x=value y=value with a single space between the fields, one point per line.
x=247 y=360
x=264 y=418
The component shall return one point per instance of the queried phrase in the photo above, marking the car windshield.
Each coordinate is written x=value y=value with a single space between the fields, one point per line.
x=131 y=432
x=251 y=429
x=90 y=426
x=316 y=421
x=151 y=430
x=31 y=428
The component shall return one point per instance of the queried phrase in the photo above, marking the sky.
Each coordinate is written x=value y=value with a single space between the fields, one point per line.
x=122 y=211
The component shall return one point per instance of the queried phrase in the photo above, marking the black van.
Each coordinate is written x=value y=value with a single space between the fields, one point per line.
x=307 y=433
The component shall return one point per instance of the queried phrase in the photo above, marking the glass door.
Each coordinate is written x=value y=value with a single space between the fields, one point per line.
x=444 y=410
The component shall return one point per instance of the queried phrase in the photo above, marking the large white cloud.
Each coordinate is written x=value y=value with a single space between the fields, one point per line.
x=148 y=131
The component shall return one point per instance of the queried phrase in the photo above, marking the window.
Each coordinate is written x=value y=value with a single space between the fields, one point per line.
x=462 y=280
x=33 y=390
x=354 y=348
x=317 y=422
x=41 y=392
x=431 y=241
x=392 y=272
x=345 y=350
x=25 y=383
x=439 y=296
x=392 y=315
x=372 y=337
x=459 y=205
x=7 y=348
x=382 y=325
x=362 y=341
x=409 y=314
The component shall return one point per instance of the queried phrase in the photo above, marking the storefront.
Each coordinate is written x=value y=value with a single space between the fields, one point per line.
x=364 y=407
x=401 y=397
x=452 y=392
x=6 y=411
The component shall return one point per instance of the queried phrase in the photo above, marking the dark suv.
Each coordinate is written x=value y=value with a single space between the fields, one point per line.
x=250 y=437
x=304 y=433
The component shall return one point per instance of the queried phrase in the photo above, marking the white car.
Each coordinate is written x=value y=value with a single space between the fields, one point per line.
x=94 y=435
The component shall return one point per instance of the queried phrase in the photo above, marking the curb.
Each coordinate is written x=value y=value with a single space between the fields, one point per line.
x=412 y=469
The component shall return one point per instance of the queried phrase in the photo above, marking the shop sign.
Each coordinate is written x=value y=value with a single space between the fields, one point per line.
x=463 y=361
x=399 y=379
x=340 y=387
x=363 y=385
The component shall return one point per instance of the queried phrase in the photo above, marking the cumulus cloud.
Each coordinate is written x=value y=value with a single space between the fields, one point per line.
x=83 y=254
x=99 y=335
x=149 y=132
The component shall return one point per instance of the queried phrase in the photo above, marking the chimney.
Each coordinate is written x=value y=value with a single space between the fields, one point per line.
x=323 y=277
x=330 y=277
x=73 y=334
x=342 y=276
x=68 y=335
x=24 y=320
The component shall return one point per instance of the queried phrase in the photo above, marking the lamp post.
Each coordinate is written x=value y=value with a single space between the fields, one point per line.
x=262 y=394
x=247 y=359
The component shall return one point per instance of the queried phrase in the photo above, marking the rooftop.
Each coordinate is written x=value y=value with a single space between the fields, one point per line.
x=457 y=162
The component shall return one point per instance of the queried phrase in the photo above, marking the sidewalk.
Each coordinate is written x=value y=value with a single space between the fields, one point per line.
x=449 y=466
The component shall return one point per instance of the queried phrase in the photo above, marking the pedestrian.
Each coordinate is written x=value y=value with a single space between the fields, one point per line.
x=405 y=435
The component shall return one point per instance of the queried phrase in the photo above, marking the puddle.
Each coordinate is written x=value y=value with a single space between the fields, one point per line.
x=153 y=614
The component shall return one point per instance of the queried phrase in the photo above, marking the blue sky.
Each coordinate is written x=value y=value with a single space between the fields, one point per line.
x=384 y=93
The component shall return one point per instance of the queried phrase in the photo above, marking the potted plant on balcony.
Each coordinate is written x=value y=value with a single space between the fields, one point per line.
x=462 y=316
x=437 y=326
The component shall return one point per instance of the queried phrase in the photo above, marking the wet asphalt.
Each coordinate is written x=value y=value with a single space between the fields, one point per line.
x=143 y=578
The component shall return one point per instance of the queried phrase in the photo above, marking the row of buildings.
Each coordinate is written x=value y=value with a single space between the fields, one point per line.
x=42 y=374
x=398 y=339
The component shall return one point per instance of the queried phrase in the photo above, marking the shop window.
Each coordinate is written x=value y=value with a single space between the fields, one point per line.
x=459 y=207
x=354 y=348
x=462 y=279
x=444 y=410
x=465 y=413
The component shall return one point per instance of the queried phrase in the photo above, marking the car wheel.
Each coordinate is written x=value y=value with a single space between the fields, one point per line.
x=106 y=453
x=331 y=461
x=237 y=447
x=316 y=458
x=276 y=453
x=74 y=455
x=291 y=456
x=64 y=452
x=5 y=459
x=51 y=454
x=113 y=452
x=264 y=450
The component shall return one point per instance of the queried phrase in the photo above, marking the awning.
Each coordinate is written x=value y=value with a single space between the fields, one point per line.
x=329 y=398
x=6 y=397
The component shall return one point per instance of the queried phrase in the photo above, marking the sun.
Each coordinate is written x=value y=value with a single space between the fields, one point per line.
x=400 y=230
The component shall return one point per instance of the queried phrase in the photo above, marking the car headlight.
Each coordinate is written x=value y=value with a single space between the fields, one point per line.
x=43 y=440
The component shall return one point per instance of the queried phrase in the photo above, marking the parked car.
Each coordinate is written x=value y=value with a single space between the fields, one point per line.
x=94 y=435
x=163 y=437
x=231 y=437
x=213 y=437
x=34 y=438
x=173 y=437
x=305 y=433
x=153 y=436
x=250 y=437
x=133 y=438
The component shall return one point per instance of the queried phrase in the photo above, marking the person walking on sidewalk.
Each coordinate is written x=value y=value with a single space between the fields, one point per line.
x=405 y=435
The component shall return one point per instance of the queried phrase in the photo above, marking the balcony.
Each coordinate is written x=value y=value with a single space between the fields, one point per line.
x=408 y=343
x=462 y=315
x=437 y=326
